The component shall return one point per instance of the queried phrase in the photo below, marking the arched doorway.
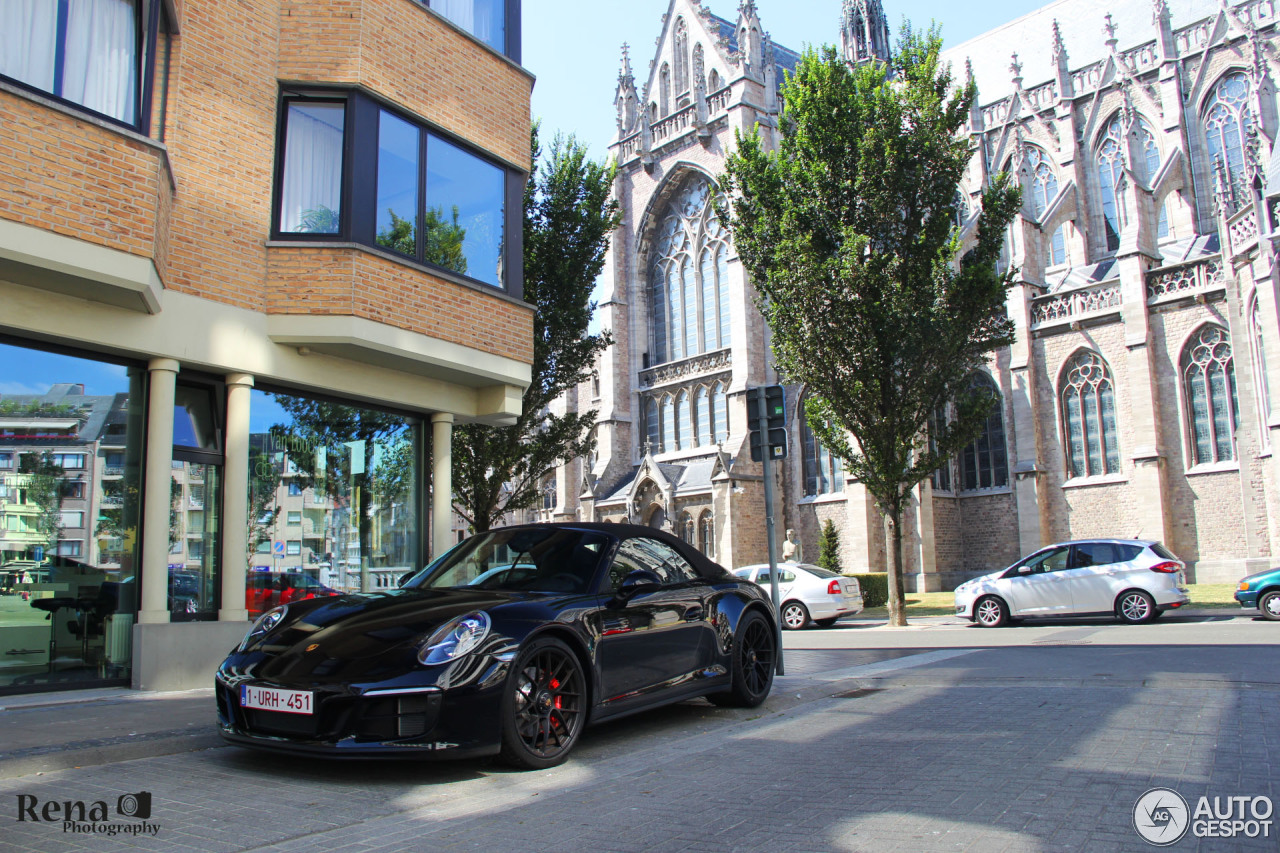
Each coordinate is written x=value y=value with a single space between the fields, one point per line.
x=658 y=518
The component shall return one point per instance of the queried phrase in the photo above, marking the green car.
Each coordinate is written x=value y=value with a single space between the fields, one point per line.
x=1261 y=591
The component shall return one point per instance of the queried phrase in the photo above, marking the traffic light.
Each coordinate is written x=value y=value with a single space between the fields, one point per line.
x=775 y=405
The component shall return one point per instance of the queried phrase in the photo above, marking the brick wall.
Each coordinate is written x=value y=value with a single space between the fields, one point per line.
x=78 y=178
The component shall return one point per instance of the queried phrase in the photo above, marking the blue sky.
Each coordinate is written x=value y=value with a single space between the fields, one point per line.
x=575 y=46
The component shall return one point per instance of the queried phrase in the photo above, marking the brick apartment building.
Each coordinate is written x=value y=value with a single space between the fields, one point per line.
x=1137 y=398
x=224 y=221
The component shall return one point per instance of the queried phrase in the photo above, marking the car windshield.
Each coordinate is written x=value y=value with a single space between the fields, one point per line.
x=519 y=559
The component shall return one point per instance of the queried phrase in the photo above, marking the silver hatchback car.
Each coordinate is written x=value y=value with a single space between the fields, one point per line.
x=809 y=592
x=1134 y=579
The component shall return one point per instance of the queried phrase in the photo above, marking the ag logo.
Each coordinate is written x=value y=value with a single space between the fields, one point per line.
x=1161 y=817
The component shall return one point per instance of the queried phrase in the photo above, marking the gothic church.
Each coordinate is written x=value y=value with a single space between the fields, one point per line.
x=1136 y=399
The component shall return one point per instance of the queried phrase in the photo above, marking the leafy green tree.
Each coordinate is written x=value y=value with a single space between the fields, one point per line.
x=46 y=492
x=444 y=239
x=323 y=424
x=568 y=217
x=829 y=548
x=848 y=231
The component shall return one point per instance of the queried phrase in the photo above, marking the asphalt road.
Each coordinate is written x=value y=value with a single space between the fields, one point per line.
x=939 y=736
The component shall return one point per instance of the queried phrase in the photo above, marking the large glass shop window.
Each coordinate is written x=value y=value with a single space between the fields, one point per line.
x=70 y=472
x=333 y=499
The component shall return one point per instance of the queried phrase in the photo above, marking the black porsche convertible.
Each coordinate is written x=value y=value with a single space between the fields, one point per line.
x=510 y=643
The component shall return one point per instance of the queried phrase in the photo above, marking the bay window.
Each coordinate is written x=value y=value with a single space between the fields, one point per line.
x=97 y=54
x=351 y=169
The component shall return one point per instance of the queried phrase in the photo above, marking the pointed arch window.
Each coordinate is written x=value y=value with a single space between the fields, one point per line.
x=1044 y=189
x=684 y=423
x=699 y=68
x=682 y=56
x=1151 y=152
x=1110 y=160
x=668 y=423
x=653 y=426
x=688 y=285
x=664 y=89
x=1227 y=124
x=707 y=534
x=984 y=464
x=702 y=414
x=941 y=477
x=1089 y=417
x=713 y=83
x=823 y=472
x=1262 y=383
x=719 y=414
x=1209 y=381
x=684 y=527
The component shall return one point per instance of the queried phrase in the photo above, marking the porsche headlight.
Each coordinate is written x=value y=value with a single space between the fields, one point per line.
x=454 y=639
x=264 y=624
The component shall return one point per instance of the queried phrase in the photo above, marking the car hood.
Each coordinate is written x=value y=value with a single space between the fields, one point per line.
x=1267 y=575
x=363 y=626
x=990 y=577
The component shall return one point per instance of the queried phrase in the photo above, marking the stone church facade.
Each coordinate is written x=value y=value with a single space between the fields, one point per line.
x=1136 y=400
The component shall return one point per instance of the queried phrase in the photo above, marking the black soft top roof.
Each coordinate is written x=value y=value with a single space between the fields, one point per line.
x=705 y=567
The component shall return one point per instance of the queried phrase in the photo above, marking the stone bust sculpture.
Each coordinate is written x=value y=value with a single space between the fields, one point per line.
x=791 y=552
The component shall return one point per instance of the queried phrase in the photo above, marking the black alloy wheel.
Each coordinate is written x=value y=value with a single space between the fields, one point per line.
x=544 y=706
x=755 y=655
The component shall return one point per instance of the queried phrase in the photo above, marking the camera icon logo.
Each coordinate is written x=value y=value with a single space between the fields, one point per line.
x=135 y=805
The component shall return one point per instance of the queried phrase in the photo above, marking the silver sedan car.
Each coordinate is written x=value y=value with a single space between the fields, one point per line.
x=809 y=593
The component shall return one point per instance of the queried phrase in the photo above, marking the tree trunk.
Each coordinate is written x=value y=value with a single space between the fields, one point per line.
x=897 y=592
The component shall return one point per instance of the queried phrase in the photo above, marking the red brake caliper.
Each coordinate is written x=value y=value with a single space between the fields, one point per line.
x=555 y=685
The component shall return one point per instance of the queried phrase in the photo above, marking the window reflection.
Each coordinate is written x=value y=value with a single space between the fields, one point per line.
x=332 y=498
x=398 y=155
x=70 y=465
x=465 y=204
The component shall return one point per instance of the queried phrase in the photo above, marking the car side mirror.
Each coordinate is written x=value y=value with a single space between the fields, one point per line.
x=638 y=582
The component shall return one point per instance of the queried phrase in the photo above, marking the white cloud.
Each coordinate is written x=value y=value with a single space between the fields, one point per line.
x=10 y=388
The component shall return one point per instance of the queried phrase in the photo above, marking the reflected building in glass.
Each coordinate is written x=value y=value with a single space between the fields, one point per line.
x=218 y=400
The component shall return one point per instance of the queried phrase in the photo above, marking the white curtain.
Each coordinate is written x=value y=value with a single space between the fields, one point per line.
x=481 y=18
x=28 y=41
x=312 y=191
x=101 y=70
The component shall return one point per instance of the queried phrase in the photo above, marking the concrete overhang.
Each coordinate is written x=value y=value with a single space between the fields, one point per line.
x=41 y=259
x=499 y=381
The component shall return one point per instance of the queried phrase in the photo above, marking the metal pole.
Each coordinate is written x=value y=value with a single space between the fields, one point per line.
x=762 y=413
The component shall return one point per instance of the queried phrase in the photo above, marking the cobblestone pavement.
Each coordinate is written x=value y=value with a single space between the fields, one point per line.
x=951 y=749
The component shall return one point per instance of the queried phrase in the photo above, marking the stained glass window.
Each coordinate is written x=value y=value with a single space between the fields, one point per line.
x=1089 y=417
x=1209 y=377
x=984 y=464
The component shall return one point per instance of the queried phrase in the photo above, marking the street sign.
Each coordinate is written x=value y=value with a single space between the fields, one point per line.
x=277 y=547
x=777 y=444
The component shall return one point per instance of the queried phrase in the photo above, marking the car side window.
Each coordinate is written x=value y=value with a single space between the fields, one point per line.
x=1103 y=554
x=1050 y=561
x=657 y=557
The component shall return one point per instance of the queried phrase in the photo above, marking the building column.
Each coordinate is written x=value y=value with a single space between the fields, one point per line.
x=157 y=496
x=441 y=483
x=928 y=580
x=235 y=500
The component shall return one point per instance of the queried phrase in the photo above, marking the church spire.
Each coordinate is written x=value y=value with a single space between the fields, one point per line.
x=864 y=31
x=625 y=100
x=751 y=39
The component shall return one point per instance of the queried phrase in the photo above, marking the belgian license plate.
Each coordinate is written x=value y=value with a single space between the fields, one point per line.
x=273 y=699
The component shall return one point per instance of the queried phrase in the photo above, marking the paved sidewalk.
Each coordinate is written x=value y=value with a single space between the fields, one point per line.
x=43 y=732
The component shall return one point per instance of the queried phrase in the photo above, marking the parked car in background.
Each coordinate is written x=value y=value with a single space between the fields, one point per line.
x=807 y=592
x=1135 y=580
x=1261 y=591
x=266 y=590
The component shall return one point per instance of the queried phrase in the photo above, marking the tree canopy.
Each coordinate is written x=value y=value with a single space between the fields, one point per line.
x=568 y=217
x=849 y=232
